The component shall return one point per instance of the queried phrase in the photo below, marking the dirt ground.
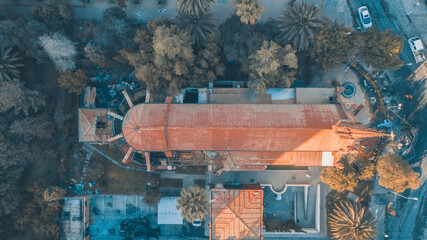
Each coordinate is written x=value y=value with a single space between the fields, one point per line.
x=117 y=180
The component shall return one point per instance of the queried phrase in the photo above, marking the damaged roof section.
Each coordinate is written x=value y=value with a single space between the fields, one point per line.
x=94 y=125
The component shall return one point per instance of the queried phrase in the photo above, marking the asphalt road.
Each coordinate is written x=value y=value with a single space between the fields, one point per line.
x=388 y=16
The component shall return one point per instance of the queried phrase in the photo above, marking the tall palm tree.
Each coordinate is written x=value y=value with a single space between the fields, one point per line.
x=193 y=203
x=351 y=221
x=9 y=64
x=299 y=24
x=194 y=8
x=249 y=11
x=199 y=26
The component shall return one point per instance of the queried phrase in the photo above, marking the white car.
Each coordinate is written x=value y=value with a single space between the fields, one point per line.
x=417 y=49
x=365 y=17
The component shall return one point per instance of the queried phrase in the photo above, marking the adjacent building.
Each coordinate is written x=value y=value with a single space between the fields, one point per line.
x=74 y=221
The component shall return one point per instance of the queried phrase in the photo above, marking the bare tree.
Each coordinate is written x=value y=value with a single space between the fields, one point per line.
x=33 y=127
x=60 y=50
x=14 y=95
x=53 y=193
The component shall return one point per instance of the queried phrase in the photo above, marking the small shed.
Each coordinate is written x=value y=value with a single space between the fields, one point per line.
x=167 y=213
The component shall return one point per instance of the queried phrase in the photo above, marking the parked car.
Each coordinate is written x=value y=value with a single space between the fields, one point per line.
x=417 y=47
x=365 y=17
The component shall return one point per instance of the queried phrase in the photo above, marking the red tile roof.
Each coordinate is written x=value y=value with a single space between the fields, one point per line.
x=236 y=214
x=143 y=127
x=232 y=127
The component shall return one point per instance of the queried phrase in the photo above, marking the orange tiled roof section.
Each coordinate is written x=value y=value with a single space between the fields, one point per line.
x=236 y=214
x=233 y=127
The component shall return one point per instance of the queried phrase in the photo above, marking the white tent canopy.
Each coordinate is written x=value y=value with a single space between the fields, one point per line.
x=167 y=213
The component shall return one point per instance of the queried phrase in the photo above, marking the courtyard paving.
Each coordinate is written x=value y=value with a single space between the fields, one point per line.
x=108 y=211
x=343 y=75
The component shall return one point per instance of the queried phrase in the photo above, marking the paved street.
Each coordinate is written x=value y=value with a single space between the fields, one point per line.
x=391 y=14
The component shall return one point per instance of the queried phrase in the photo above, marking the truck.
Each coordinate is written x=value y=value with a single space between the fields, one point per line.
x=417 y=49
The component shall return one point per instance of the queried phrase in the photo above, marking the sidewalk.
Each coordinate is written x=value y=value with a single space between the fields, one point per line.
x=415 y=11
x=378 y=208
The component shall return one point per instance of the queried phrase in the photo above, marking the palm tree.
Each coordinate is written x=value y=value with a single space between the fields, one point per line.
x=249 y=11
x=235 y=3
x=193 y=203
x=194 y=8
x=199 y=26
x=298 y=25
x=9 y=64
x=351 y=221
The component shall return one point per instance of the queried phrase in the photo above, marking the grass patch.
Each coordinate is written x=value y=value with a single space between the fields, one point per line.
x=116 y=180
x=112 y=151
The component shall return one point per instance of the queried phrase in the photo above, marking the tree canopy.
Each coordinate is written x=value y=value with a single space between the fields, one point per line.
x=115 y=31
x=333 y=45
x=396 y=174
x=121 y=4
x=60 y=50
x=272 y=66
x=42 y=213
x=339 y=179
x=33 y=127
x=14 y=95
x=355 y=167
x=239 y=40
x=200 y=27
x=193 y=203
x=23 y=33
x=299 y=24
x=166 y=61
x=351 y=221
x=74 y=81
x=9 y=64
x=194 y=8
x=381 y=49
x=249 y=11
x=55 y=14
